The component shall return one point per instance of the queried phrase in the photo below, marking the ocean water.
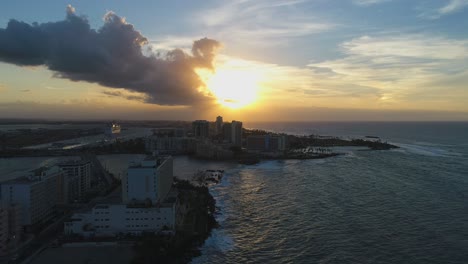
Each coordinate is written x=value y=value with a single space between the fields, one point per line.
x=408 y=205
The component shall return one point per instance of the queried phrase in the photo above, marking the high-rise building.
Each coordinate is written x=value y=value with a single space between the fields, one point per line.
x=76 y=180
x=219 y=125
x=201 y=128
x=37 y=195
x=236 y=133
x=10 y=228
x=227 y=132
x=148 y=181
x=4 y=232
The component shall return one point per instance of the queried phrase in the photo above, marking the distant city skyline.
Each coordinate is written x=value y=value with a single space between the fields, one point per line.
x=351 y=60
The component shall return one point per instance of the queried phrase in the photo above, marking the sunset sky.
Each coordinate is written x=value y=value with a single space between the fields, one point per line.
x=258 y=60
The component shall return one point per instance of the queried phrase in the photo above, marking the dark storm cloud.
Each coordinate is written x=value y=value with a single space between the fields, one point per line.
x=111 y=56
x=117 y=93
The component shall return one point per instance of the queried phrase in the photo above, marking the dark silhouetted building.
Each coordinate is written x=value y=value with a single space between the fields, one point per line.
x=201 y=128
x=219 y=125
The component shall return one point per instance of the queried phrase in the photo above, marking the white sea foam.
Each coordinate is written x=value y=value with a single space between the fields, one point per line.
x=220 y=241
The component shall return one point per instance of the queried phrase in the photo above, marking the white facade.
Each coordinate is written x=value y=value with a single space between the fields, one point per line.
x=110 y=220
x=148 y=181
x=36 y=195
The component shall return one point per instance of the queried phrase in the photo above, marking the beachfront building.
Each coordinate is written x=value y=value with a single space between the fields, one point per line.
x=148 y=180
x=232 y=133
x=37 y=195
x=76 y=180
x=114 y=219
x=267 y=143
x=236 y=133
x=149 y=203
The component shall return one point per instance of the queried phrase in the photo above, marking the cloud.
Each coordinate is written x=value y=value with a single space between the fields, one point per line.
x=407 y=46
x=404 y=67
x=3 y=87
x=369 y=2
x=25 y=90
x=93 y=109
x=112 y=56
x=126 y=94
x=344 y=90
x=451 y=7
x=90 y=110
x=262 y=22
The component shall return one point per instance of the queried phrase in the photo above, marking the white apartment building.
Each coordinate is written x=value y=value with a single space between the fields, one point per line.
x=36 y=194
x=148 y=180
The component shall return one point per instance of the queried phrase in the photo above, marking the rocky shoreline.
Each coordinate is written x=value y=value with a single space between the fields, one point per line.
x=197 y=212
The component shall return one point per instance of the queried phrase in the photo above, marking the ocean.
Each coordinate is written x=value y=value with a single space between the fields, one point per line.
x=408 y=205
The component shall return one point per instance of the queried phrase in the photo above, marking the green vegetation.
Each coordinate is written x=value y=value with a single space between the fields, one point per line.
x=132 y=146
x=27 y=137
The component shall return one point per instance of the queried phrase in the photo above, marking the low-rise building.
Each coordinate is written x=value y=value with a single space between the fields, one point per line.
x=266 y=143
x=170 y=145
x=113 y=219
x=169 y=132
x=208 y=150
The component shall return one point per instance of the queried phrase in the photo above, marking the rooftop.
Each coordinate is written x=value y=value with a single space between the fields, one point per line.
x=148 y=162
x=35 y=175
x=73 y=163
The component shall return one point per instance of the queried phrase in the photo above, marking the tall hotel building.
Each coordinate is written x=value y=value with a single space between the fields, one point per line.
x=37 y=195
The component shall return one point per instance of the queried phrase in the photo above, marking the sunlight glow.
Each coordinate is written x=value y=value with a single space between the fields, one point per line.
x=233 y=87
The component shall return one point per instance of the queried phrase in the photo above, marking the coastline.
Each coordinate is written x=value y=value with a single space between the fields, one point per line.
x=198 y=208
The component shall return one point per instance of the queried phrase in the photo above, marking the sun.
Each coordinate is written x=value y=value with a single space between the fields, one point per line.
x=234 y=88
